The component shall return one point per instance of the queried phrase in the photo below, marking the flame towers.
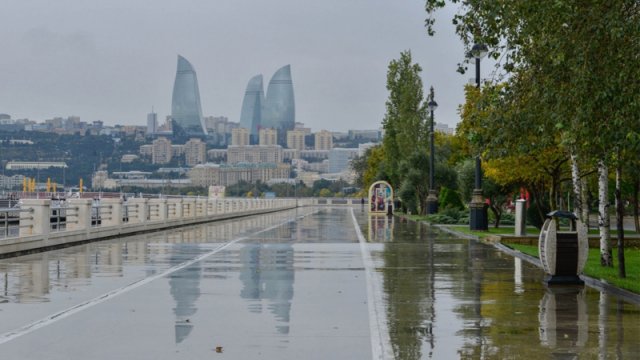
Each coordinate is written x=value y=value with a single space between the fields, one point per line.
x=251 y=113
x=279 y=108
x=186 y=110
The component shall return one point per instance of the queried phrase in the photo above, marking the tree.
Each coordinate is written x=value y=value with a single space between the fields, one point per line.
x=405 y=119
x=577 y=60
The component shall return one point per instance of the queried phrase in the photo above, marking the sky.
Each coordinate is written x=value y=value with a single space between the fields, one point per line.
x=116 y=60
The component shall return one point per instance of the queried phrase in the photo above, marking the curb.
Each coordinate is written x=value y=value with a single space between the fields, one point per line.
x=594 y=283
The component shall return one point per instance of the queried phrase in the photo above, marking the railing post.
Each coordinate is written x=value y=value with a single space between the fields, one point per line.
x=201 y=207
x=163 y=211
x=38 y=220
x=115 y=206
x=82 y=210
x=141 y=209
x=179 y=209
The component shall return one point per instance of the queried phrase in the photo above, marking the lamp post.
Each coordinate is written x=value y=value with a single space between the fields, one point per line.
x=432 y=198
x=478 y=217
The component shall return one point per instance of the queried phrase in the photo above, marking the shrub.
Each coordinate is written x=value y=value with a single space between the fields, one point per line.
x=450 y=198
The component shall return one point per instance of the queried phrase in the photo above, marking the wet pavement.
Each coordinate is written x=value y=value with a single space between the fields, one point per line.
x=301 y=285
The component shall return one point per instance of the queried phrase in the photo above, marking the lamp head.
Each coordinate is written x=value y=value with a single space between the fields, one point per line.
x=478 y=51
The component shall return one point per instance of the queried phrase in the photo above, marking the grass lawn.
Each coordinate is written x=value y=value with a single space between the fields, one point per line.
x=592 y=268
x=610 y=275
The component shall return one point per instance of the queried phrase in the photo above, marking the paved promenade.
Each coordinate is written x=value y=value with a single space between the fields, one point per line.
x=310 y=283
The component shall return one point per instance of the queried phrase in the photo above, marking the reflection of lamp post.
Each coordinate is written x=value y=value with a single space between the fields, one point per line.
x=478 y=217
x=432 y=198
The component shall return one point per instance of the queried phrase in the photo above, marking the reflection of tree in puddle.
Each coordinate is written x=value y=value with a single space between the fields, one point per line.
x=564 y=322
x=408 y=282
x=267 y=274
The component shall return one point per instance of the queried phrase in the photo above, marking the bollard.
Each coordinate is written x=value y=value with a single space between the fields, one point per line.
x=115 y=208
x=521 y=218
x=38 y=219
x=82 y=214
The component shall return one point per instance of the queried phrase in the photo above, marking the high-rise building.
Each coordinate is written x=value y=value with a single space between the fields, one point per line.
x=162 y=151
x=323 y=140
x=152 y=123
x=186 y=110
x=251 y=113
x=279 y=108
x=240 y=137
x=295 y=139
x=268 y=136
x=195 y=152
x=340 y=159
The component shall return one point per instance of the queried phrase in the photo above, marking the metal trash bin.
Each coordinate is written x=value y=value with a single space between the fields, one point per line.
x=563 y=254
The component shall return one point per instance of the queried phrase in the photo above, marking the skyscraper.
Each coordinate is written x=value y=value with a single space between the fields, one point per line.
x=152 y=123
x=186 y=110
x=251 y=113
x=279 y=108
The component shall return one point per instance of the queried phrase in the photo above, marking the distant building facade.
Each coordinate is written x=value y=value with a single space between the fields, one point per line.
x=252 y=104
x=186 y=110
x=268 y=136
x=240 y=137
x=195 y=152
x=323 y=140
x=161 y=151
x=254 y=154
x=295 y=139
x=340 y=159
x=279 y=108
x=226 y=175
x=152 y=123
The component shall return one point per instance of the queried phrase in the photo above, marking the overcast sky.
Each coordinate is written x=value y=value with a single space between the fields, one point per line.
x=113 y=60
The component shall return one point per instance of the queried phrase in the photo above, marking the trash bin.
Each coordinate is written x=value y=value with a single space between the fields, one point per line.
x=563 y=254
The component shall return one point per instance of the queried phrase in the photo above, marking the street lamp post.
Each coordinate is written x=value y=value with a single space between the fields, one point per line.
x=432 y=198
x=478 y=219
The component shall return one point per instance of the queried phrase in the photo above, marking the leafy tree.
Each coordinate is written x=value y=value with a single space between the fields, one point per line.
x=414 y=188
x=405 y=119
x=572 y=62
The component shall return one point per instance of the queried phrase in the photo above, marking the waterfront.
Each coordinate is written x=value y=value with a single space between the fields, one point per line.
x=296 y=284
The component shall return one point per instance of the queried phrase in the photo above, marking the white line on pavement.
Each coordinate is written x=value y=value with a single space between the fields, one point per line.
x=380 y=341
x=46 y=321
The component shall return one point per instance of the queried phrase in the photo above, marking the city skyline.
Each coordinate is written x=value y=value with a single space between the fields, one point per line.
x=86 y=66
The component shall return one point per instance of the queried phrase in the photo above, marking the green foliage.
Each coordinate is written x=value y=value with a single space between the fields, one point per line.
x=449 y=199
x=466 y=178
x=404 y=122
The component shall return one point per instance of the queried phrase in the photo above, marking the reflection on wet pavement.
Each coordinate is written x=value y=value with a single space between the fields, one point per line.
x=292 y=285
x=451 y=298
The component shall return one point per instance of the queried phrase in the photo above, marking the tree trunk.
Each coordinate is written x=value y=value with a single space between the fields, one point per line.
x=584 y=200
x=603 y=214
x=620 y=223
x=577 y=188
x=497 y=214
x=636 y=190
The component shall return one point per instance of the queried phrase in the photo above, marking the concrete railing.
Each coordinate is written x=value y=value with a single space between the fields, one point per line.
x=46 y=223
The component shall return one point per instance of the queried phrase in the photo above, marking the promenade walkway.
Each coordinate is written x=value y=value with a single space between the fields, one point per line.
x=308 y=283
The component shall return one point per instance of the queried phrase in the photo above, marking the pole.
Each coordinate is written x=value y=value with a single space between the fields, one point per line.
x=432 y=197
x=478 y=219
x=431 y=160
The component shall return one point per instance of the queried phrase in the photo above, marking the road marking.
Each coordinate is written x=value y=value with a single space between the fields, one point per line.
x=46 y=321
x=380 y=341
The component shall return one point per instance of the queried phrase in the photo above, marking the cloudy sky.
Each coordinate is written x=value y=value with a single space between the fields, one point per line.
x=113 y=60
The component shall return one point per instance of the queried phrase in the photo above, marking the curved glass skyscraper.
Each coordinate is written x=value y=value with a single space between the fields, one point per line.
x=186 y=110
x=279 y=108
x=251 y=113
